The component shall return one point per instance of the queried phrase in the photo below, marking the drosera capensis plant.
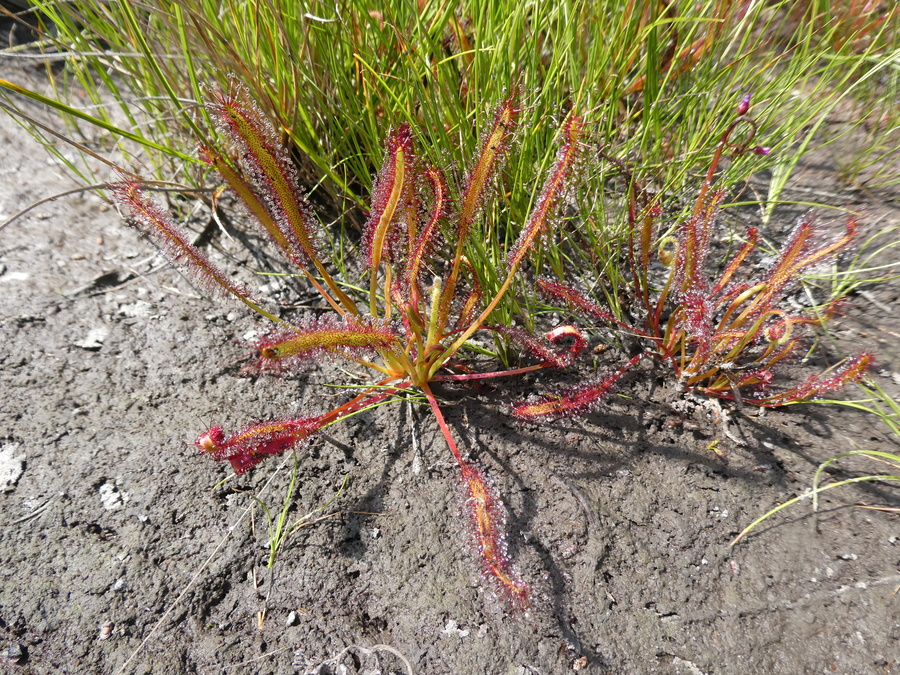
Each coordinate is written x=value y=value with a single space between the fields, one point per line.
x=417 y=314
x=721 y=336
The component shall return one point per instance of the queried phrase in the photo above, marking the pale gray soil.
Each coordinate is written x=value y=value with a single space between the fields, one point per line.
x=118 y=542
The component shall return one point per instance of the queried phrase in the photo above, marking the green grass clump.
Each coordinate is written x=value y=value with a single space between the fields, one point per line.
x=888 y=458
x=658 y=81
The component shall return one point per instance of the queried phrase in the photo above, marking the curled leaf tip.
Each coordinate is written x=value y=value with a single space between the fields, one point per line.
x=255 y=443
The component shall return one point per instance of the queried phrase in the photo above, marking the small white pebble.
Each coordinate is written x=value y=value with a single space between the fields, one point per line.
x=452 y=628
x=12 y=466
x=94 y=339
x=111 y=497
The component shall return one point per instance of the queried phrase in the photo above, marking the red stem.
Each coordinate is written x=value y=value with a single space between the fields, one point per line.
x=442 y=423
x=484 y=376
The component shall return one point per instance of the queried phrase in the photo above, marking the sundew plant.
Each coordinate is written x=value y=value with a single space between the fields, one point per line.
x=453 y=212
x=722 y=334
x=421 y=308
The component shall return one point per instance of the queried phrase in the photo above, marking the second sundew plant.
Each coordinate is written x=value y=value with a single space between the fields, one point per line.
x=420 y=310
x=721 y=335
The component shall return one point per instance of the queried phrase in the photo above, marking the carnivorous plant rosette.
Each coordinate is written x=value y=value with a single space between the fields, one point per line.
x=419 y=311
x=721 y=336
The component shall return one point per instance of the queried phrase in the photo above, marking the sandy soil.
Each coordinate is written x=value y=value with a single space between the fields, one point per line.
x=121 y=551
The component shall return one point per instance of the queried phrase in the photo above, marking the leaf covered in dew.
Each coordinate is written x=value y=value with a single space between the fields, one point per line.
x=821 y=384
x=750 y=240
x=692 y=244
x=391 y=191
x=257 y=442
x=348 y=336
x=560 y=292
x=492 y=152
x=269 y=169
x=552 y=194
x=155 y=222
x=426 y=240
x=488 y=519
x=577 y=400
x=696 y=320
x=799 y=253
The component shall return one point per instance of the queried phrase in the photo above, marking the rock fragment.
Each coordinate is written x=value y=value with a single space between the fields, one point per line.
x=12 y=466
